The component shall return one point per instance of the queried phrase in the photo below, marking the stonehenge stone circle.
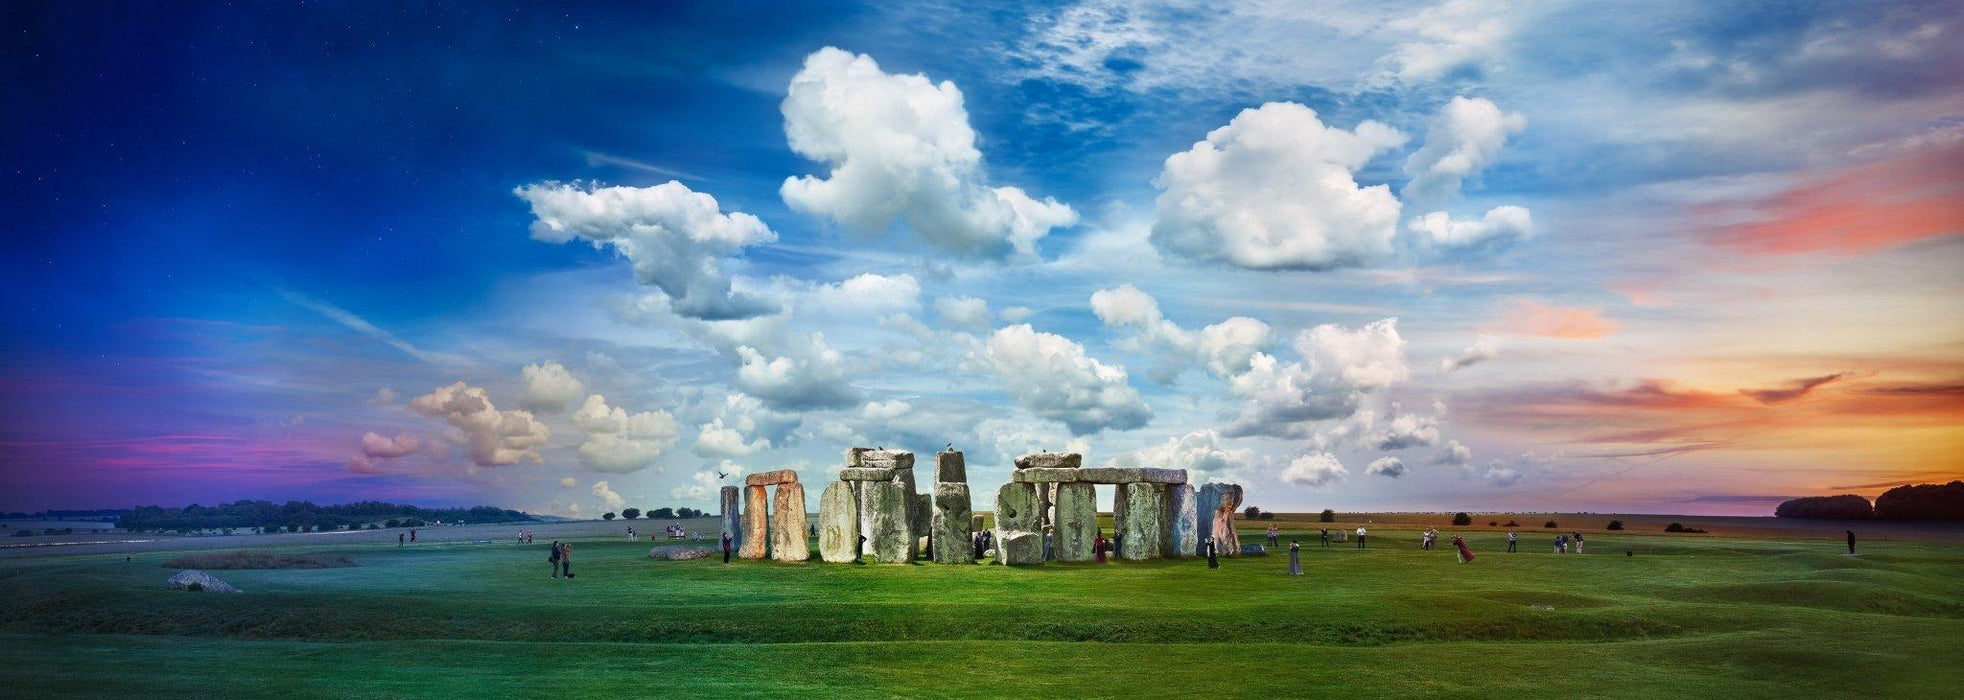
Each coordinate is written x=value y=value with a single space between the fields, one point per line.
x=789 y=522
x=1075 y=535
x=951 y=523
x=892 y=537
x=838 y=523
x=1135 y=516
x=756 y=522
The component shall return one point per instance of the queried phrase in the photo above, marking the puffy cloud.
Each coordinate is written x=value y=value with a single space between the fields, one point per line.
x=1450 y=36
x=866 y=294
x=1339 y=368
x=1017 y=314
x=964 y=312
x=714 y=439
x=900 y=148
x=1502 y=225
x=1386 y=466
x=1228 y=348
x=704 y=485
x=609 y=501
x=1201 y=453
x=1051 y=376
x=619 y=442
x=1485 y=347
x=1405 y=430
x=383 y=397
x=567 y=482
x=1225 y=349
x=676 y=238
x=1463 y=139
x=807 y=375
x=549 y=388
x=1454 y=455
x=492 y=437
x=1529 y=317
x=1274 y=190
x=1499 y=474
x=884 y=410
x=1319 y=470
x=375 y=447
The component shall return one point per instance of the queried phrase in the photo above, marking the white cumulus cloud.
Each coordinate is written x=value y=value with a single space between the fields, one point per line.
x=1201 y=452
x=609 y=501
x=1319 y=470
x=376 y=447
x=619 y=442
x=1052 y=377
x=1462 y=141
x=492 y=437
x=1386 y=466
x=549 y=388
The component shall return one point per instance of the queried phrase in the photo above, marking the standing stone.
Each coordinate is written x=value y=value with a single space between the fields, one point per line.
x=1224 y=521
x=975 y=522
x=949 y=468
x=788 y=541
x=1182 y=522
x=1044 y=503
x=732 y=515
x=952 y=536
x=756 y=522
x=1206 y=506
x=862 y=491
x=920 y=520
x=891 y=539
x=1018 y=540
x=1076 y=533
x=838 y=523
x=1019 y=547
x=1139 y=528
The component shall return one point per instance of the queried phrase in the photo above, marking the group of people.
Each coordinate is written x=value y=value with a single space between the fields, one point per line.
x=1562 y=542
x=1429 y=539
x=561 y=559
x=524 y=536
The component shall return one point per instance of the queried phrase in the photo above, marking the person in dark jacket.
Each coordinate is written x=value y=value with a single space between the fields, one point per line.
x=727 y=544
x=1213 y=553
x=1851 y=541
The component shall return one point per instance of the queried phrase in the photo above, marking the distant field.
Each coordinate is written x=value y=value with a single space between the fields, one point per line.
x=1696 y=616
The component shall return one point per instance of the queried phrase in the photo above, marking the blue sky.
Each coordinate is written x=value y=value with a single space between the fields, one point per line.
x=1675 y=257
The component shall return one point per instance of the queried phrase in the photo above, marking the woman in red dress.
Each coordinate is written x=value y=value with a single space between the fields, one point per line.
x=1465 y=555
x=1098 y=545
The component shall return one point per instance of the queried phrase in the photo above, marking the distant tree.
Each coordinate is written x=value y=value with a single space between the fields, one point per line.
x=1253 y=512
x=1511 y=523
x=609 y=515
x=1922 y=502
x=630 y=513
x=1328 y=516
x=373 y=526
x=1675 y=527
x=1462 y=519
x=1491 y=523
x=1550 y=525
x=1268 y=515
x=1614 y=525
x=393 y=522
x=1843 y=507
x=663 y=513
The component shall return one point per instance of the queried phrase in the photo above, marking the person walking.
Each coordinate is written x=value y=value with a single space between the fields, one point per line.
x=1273 y=536
x=552 y=558
x=1213 y=553
x=726 y=546
x=1465 y=555
x=1295 y=558
x=1512 y=540
x=1851 y=541
x=412 y=535
x=1326 y=537
x=1360 y=537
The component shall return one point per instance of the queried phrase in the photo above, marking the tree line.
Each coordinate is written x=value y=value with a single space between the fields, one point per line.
x=1910 y=502
x=306 y=515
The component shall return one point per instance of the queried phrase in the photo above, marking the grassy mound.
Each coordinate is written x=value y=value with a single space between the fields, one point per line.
x=256 y=560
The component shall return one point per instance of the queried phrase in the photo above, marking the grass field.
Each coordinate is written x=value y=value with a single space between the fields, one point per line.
x=1686 y=616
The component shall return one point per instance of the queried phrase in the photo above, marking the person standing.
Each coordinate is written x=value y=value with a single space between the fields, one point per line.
x=1360 y=537
x=726 y=546
x=1213 y=553
x=1512 y=540
x=398 y=539
x=1465 y=555
x=1561 y=544
x=1295 y=558
x=1578 y=543
x=1851 y=541
x=1326 y=537
x=552 y=558
x=1098 y=545
x=566 y=558
x=412 y=535
x=1273 y=536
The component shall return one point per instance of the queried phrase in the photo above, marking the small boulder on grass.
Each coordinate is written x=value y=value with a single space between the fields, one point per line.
x=189 y=580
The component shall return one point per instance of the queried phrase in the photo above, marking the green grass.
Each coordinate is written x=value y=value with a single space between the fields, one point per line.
x=1702 y=617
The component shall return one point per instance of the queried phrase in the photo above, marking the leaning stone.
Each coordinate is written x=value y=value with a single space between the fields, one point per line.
x=1046 y=475
x=781 y=476
x=838 y=524
x=1016 y=507
x=1050 y=460
x=190 y=580
x=1076 y=533
x=865 y=474
x=1163 y=476
x=1110 y=475
x=1181 y=523
x=949 y=468
x=1019 y=547
x=891 y=539
x=788 y=541
x=732 y=515
x=953 y=540
x=1138 y=530
x=756 y=522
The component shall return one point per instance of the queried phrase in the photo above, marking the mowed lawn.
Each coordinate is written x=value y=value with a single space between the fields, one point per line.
x=1689 y=616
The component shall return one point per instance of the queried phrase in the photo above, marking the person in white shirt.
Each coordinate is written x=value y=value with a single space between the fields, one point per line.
x=1360 y=537
x=1512 y=539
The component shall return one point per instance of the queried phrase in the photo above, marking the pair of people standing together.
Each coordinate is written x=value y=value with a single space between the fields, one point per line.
x=561 y=559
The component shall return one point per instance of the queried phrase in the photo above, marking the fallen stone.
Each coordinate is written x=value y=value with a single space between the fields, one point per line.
x=1254 y=550
x=953 y=540
x=891 y=538
x=866 y=474
x=1110 y=475
x=949 y=468
x=191 y=580
x=756 y=522
x=673 y=553
x=1140 y=505
x=1181 y=522
x=781 y=476
x=732 y=520
x=1044 y=475
x=788 y=541
x=1163 y=476
x=1050 y=460
x=838 y=524
x=1019 y=547
x=1075 y=535
x=1016 y=507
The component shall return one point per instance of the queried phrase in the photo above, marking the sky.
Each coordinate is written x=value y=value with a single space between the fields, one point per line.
x=1672 y=257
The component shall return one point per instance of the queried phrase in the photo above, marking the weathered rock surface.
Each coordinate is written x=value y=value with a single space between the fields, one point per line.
x=781 y=476
x=1044 y=475
x=1141 y=506
x=790 y=525
x=1019 y=547
x=191 y=580
x=1016 y=507
x=975 y=522
x=866 y=474
x=1110 y=475
x=1075 y=534
x=1163 y=476
x=1050 y=460
x=892 y=459
x=1254 y=550
x=1224 y=520
x=838 y=524
x=679 y=553
x=756 y=522
x=892 y=538
x=732 y=520
x=950 y=468
x=921 y=520
x=1181 y=523
x=952 y=543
